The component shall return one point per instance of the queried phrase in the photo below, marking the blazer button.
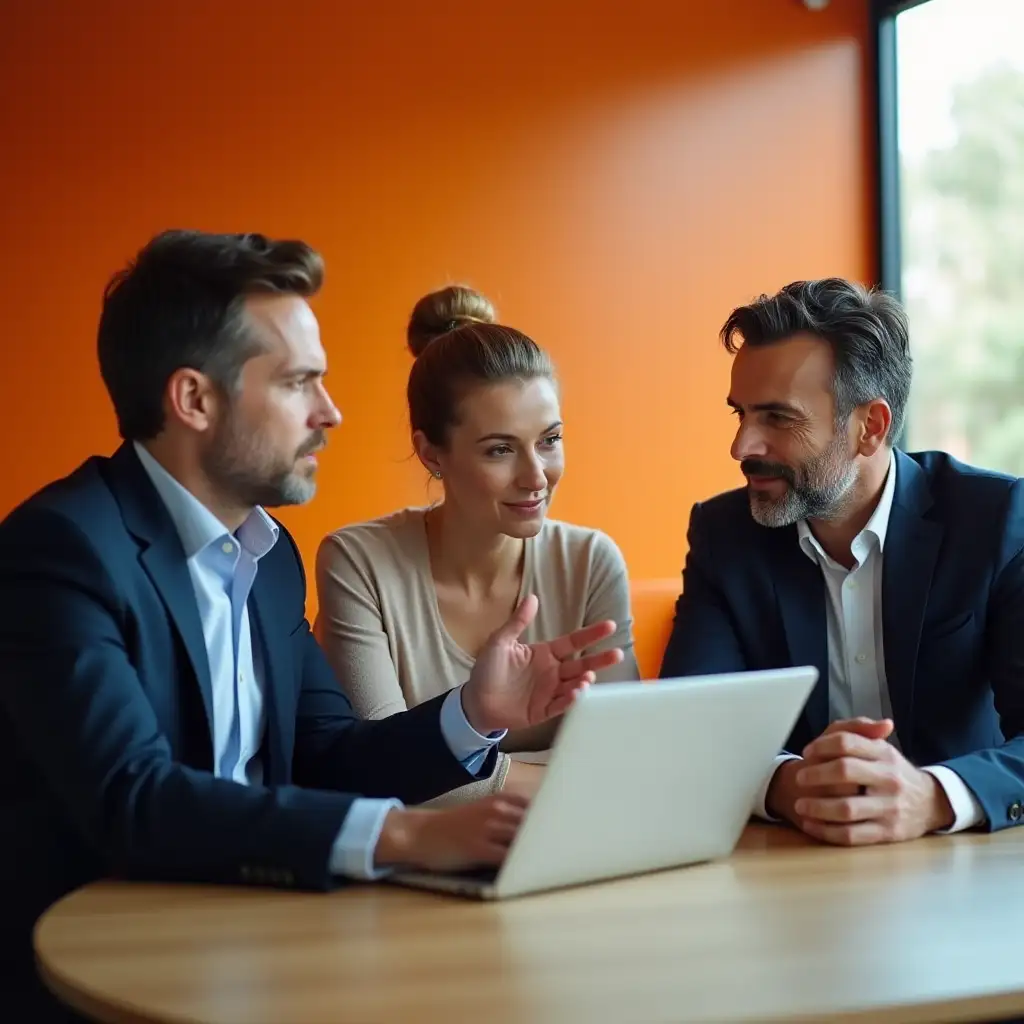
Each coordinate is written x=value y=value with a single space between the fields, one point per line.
x=1015 y=811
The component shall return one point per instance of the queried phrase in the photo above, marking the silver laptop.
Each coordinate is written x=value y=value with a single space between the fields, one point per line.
x=644 y=777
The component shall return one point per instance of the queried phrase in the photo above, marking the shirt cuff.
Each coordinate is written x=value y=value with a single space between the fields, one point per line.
x=353 y=849
x=469 y=746
x=967 y=810
x=762 y=794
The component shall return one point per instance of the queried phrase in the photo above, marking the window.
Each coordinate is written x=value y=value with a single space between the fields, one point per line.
x=959 y=76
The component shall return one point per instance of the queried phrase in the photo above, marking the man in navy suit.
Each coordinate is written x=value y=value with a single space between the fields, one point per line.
x=900 y=577
x=165 y=712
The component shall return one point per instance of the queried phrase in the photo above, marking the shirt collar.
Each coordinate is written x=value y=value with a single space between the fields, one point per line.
x=874 y=530
x=197 y=526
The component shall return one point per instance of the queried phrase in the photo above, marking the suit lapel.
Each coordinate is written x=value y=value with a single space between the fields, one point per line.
x=277 y=667
x=163 y=559
x=912 y=546
x=800 y=594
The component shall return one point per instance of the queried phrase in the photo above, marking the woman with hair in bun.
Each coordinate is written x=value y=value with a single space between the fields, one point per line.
x=406 y=601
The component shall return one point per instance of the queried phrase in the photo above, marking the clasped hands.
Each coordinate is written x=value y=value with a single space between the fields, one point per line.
x=853 y=788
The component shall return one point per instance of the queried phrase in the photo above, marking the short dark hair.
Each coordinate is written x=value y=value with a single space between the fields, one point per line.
x=457 y=344
x=866 y=328
x=179 y=303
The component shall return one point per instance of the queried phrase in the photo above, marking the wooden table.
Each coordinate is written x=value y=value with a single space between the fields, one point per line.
x=783 y=930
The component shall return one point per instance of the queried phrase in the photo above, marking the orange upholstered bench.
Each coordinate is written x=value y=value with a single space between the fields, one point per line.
x=653 y=606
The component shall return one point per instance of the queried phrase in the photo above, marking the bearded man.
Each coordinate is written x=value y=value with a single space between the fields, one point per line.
x=899 y=576
x=165 y=712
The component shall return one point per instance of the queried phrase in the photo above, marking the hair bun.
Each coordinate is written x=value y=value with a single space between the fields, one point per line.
x=444 y=310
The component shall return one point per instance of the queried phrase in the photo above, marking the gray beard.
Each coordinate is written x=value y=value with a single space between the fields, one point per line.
x=823 y=494
x=238 y=467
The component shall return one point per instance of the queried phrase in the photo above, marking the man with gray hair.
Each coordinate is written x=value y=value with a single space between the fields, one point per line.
x=900 y=577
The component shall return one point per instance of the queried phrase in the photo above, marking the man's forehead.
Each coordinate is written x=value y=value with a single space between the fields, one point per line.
x=285 y=326
x=801 y=363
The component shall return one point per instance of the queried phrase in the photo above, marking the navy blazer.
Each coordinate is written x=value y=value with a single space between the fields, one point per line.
x=952 y=618
x=106 y=752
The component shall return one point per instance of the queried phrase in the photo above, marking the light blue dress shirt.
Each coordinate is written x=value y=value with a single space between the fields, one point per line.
x=223 y=567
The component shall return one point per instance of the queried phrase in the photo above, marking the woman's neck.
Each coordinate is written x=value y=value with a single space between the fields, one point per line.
x=464 y=557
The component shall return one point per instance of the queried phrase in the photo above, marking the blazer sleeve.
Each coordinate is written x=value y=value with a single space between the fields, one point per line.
x=996 y=775
x=703 y=639
x=404 y=755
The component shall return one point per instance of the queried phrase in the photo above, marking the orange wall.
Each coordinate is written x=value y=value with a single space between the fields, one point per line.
x=616 y=176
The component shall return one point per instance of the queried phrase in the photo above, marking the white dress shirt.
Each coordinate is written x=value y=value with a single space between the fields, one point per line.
x=856 y=656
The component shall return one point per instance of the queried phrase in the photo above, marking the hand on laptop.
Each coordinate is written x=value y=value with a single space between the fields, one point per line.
x=466 y=836
x=515 y=685
x=854 y=788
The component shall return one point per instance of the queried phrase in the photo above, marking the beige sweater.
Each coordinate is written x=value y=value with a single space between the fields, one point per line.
x=380 y=628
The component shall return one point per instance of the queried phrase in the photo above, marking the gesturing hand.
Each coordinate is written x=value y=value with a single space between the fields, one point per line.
x=515 y=685
x=893 y=801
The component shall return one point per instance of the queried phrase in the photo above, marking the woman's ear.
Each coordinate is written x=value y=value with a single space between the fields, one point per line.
x=427 y=454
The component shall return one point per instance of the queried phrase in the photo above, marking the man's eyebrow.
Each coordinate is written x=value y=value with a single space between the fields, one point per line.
x=766 y=407
x=302 y=371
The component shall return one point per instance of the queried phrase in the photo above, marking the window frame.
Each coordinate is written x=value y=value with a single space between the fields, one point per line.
x=888 y=233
